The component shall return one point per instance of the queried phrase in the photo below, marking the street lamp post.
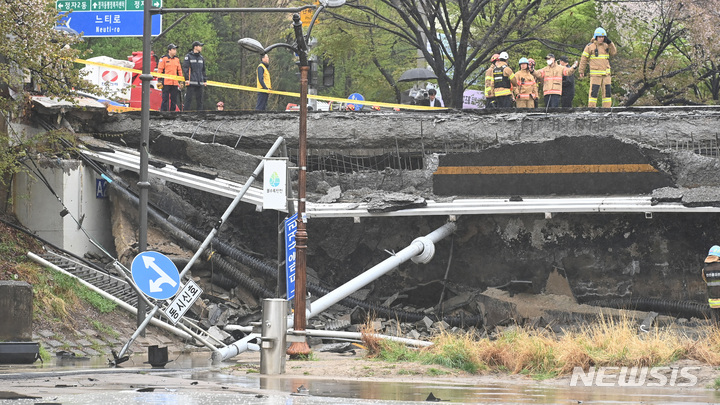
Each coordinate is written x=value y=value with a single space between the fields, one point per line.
x=300 y=48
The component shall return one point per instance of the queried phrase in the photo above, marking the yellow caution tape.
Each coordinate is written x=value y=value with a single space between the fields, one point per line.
x=255 y=89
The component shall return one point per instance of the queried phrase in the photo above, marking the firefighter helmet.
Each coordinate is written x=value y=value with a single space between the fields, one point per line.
x=523 y=60
x=494 y=57
x=714 y=251
x=600 y=32
x=504 y=56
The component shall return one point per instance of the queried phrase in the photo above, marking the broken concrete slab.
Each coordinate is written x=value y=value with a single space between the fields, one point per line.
x=386 y=202
x=16 y=316
x=701 y=197
x=218 y=334
x=667 y=194
x=333 y=194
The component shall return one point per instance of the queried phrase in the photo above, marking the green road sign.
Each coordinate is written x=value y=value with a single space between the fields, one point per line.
x=103 y=5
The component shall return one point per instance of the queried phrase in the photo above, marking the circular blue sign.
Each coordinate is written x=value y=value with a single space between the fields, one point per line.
x=155 y=275
x=353 y=106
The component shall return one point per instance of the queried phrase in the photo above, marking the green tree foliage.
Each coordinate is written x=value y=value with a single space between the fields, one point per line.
x=668 y=50
x=34 y=58
x=33 y=54
x=461 y=35
x=366 y=59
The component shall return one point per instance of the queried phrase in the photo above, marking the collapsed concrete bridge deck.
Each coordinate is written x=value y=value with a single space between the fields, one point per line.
x=452 y=131
x=607 y=254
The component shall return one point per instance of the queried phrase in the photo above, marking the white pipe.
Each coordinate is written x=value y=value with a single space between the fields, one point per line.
x=234 y=349
x=359 y=335
x=122 y=304
x=245 y=329
x=416 y=248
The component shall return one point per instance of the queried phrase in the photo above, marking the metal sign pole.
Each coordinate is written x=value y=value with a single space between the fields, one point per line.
x=201 y=249
x=143 y=184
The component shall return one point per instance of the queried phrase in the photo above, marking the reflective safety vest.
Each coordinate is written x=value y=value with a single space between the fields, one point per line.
x=266 y=77
x=711 y=275
x=489 y=83
x=503 y=76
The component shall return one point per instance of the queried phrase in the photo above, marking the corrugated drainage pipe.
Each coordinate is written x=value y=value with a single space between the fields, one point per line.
x=191 y=243
x=685 y=309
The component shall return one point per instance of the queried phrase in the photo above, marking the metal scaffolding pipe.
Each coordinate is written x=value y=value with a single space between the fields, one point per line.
x=206 y=243
x=359 y=336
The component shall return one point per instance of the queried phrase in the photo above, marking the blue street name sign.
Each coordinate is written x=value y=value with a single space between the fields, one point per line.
x=107 y=18
x=290 y=230
x=101 y=188
x=155 y=275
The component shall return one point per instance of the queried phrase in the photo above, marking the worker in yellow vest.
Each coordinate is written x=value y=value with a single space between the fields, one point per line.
x=503 y=80
x=263 y=82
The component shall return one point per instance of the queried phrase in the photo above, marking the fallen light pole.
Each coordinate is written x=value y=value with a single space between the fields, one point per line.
x=118 y=358
x=421 y=250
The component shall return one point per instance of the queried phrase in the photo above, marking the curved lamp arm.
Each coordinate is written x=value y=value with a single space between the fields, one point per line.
x=323 y=4
x=281 y=45
x=312 y=22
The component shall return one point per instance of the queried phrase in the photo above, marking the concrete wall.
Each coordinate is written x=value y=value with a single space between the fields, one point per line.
x=38 y=209
x=16 y=301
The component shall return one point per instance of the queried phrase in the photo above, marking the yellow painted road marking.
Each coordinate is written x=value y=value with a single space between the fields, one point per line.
x=548 y=169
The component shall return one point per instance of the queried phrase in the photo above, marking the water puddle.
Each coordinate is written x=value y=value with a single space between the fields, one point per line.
x=178 y=361
x=253 y=389
x=322 y=391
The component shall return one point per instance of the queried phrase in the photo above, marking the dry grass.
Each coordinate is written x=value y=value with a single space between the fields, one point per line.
x=706 y=350
x=369 y=338
x=542 y=354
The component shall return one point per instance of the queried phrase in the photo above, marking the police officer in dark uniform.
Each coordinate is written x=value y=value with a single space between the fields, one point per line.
x=711 y=275
x=195 y=78
x=568 y=85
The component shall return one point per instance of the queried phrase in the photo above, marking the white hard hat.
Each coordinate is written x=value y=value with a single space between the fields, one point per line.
x=504 y=56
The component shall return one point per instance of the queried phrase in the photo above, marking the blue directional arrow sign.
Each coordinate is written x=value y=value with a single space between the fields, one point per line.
x=155 y=275
x=354 y=106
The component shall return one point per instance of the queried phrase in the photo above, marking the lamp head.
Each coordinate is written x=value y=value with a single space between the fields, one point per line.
x=332 y=3
x=252 y=45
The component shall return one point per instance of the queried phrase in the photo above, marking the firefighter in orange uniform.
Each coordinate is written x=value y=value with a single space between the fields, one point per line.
x=598 y=53
x=170 y=64
x=526 y=90
x=489 y=83
x=552 y=75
